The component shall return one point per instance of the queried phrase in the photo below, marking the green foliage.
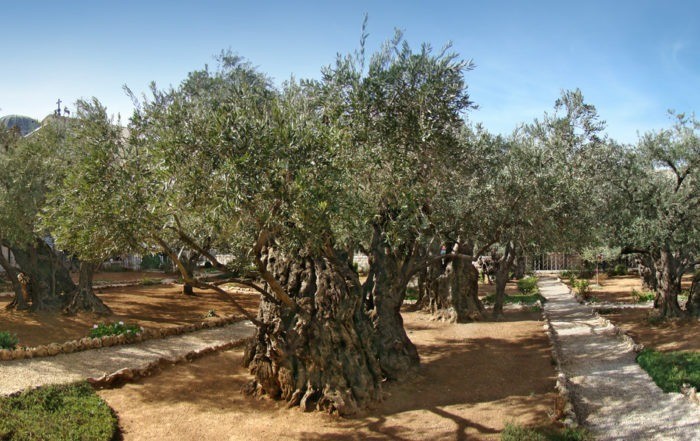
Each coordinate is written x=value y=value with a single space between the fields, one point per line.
x=568 y=274
x=643 y=296
x=61 y=413
x=670 y=370
x=117 y=328
x=527 y=285
x=151 y=261
x=514 y=432
x=7 y=340
x=583 y=289
x=411 y=294
x=617 y=270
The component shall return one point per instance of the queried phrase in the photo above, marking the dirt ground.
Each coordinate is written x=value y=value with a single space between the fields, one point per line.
x=153 y=306
x=486 y=289
x=672 y=335
x=473 y=379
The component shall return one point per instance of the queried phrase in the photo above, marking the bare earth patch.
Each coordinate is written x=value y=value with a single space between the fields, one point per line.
x=473 y=379
x=154 y=306
x=671 y=335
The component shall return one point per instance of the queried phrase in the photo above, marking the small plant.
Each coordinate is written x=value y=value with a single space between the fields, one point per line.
x=527 y=285
x=118 y=328
x=411 y=293
x=618 y=270
x=7 y=340
x=642 y=296
x=670 y=370
x=514 y=432
x=583 y=289
x=211 y=313
x=536 y=308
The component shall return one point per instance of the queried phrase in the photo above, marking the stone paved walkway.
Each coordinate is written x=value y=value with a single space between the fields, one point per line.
x=67 y=368
x=613 y=397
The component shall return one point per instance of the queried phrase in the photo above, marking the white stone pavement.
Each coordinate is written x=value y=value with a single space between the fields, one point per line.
x=613 y=397
x=18 y=375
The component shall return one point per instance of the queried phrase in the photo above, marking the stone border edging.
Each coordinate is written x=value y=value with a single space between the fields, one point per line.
x=564 y=406
x=690 y=393
x=87 y=343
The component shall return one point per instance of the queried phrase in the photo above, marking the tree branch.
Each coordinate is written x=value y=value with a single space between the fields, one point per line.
x=201 y=285
x=274 y=285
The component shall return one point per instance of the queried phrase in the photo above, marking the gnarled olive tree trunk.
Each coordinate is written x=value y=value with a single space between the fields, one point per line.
x=668 y=275
x=322 y=355
x=452 y=289
x=386 y=290
x=647 y=272
x=84 y=298
x=503 y=265
x=693 y=305
x=49 y=283
x=20 y=302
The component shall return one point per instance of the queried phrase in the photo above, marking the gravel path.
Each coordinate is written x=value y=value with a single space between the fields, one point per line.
x=67 y=368
x=612 y=395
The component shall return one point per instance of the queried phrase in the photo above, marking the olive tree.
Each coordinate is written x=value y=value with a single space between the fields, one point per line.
x=31 y=165
x=654 y=202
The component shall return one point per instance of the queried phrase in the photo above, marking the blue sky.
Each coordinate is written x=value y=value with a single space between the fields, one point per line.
x=633 y=60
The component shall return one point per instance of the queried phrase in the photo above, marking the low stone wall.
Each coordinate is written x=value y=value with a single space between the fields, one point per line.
x=88 y=343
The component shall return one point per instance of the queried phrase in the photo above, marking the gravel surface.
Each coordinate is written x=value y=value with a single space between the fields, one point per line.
x=67 y=368
x=613 y=397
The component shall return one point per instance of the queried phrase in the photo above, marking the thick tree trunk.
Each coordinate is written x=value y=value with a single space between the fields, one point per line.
x=322 y=356
x=693 y=305
x=645 y=266
x=519 y=267
x=48 y=280
x=668 y=279
x=452 y=291
x=502 y=273
x=20 y=302
x=84 y=298
x=190 y=264
x=397 y=354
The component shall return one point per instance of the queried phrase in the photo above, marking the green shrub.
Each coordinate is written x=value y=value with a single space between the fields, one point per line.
x=7 y=340
x=59 y=413
x=151 y=261
x=618 y=270
x=568 y=274
x=642 y=296
x=671 y=369
x=513 y=432
x=118 y=328
x=583 y=288
x=527 y=285
x=411 y=293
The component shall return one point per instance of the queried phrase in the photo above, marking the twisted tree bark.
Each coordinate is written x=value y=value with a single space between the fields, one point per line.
x=320 y=354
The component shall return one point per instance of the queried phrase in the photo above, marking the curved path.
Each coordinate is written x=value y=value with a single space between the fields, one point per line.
x=613 y=397
x=18 y=375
